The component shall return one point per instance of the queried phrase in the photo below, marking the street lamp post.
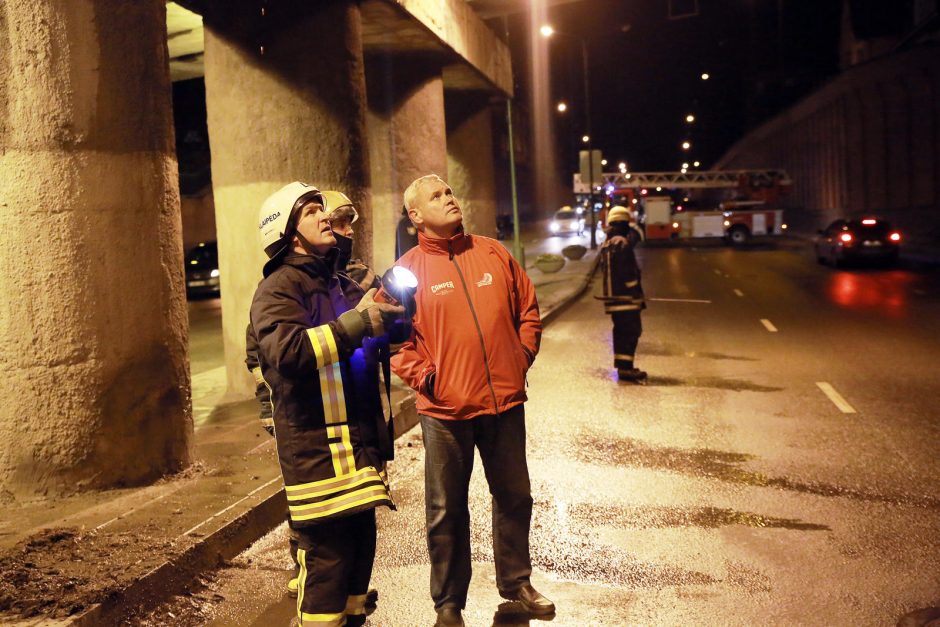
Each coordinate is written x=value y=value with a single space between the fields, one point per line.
x=587 y=121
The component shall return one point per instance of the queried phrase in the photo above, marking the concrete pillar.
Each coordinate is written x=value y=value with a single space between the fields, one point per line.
x=285 y=100
x=407 y=139
x=93 y=327
x=470 y=160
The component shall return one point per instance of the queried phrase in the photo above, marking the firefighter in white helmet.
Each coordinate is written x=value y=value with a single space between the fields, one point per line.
x=320 y=344
x=623 y=291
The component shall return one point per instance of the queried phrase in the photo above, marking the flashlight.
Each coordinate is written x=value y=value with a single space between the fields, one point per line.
x=398 y=286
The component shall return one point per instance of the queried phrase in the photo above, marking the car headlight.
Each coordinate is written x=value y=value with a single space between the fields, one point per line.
x=553 y=227
x=214 y=273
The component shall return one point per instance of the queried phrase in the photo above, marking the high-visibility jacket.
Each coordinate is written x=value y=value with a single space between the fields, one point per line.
x=622 y=285
x=329 y=417
x=476 y=328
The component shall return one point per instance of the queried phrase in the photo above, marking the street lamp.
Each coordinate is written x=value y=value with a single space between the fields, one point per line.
x=690 y=118
x=547 y=30
x=705 y=76
x=585 y=138
x=686 y=145
x=685 y=166
x=562 y=107
x=603 y=161
x=696 y=163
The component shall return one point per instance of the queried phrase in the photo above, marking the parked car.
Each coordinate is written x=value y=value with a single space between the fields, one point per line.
x=859 y=239
x=566 y=220
x=202 y=270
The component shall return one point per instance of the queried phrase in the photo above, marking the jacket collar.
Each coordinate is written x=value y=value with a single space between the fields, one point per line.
x=450 y=246
x=322 y=266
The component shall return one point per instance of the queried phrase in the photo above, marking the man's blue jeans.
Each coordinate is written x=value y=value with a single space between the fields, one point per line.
x=448 y=464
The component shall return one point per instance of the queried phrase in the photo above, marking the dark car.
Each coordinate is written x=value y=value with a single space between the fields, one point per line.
x=202 y=270
x=856 y=240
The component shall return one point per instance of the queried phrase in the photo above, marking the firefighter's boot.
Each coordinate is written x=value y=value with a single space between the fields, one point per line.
x=633 y=375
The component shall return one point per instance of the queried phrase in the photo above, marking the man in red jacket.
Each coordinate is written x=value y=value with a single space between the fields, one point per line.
x=476 y=331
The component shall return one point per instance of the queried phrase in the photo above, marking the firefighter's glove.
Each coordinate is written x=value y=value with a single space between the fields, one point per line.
x=369 y=318
x=618 y=242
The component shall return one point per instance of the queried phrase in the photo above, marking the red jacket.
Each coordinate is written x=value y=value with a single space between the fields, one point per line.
x=476 y=327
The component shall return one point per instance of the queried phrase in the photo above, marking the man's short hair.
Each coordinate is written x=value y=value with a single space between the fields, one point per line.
x=411 y=192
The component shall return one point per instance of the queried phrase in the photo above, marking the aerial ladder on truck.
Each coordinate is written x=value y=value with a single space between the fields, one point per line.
x=752 y=213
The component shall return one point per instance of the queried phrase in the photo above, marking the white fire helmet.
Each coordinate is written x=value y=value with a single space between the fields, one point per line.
x=274 y=220
x=337 y=204
x=619 y=213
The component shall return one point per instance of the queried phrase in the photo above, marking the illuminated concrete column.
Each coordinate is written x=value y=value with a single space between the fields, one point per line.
x=407 y=139
x=93 y=327
x=470 y=160
x=285 y=98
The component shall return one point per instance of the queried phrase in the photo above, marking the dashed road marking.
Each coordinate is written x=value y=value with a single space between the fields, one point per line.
x=835 y=397
x=261 y=446
x=681 y=300
x=739 y=292
x=222 y=511
x=133 y=509
x=768 y=325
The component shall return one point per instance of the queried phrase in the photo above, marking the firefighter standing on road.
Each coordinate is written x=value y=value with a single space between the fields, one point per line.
x=320 y=344
x=623 y=291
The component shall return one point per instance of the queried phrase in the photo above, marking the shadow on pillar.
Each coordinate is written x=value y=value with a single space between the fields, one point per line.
x=470 y=159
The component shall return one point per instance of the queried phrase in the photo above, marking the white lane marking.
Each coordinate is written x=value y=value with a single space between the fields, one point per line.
x=133 y=509
x=739 y=292
x=222 y=511
x=261 y=446
x=768 y=325
x=681 y=300
x=835 y=397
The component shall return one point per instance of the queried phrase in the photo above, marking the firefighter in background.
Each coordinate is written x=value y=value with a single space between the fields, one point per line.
x=320 y=345
x=623 y=291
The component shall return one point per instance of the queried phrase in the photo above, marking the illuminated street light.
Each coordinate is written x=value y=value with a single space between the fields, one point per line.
x=562 y=107
x=547 y=30
x=705 y=75
x=684 y=170
x=659 y=189
x=603 y=161
x=685 y=166
x=690 y=118
x=622 y=166
x=686 y=145
x=585 y=138
x=696 y=163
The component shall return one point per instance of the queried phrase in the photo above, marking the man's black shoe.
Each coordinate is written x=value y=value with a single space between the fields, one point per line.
x=449 y=617
x=634 y=375
x=531 y=599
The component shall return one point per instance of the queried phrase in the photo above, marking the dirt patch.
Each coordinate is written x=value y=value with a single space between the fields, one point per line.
x=60 y=572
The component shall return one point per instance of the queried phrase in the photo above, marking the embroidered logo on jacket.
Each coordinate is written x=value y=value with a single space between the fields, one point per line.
x=486 y=280
x=447 y=286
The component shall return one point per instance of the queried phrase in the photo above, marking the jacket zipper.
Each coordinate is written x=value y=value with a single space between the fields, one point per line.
x=473 y=312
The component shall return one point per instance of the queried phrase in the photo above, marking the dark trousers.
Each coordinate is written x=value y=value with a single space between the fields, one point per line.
x=335 y=560
x=448 y=464
x=627 y=332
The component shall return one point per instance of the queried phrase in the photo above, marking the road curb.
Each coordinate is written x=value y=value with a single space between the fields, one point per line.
x=175 y=575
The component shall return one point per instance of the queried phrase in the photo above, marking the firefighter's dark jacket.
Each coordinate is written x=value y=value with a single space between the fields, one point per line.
x=623 y=290
x=328 y=414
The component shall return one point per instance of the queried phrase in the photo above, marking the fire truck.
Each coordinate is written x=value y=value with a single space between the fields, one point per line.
x=752 y=214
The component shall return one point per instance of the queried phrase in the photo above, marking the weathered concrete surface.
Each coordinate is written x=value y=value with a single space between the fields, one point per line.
x=470 y=160
x=295 y=112
x=407 y=139
x=92 y=308
x=865 y=142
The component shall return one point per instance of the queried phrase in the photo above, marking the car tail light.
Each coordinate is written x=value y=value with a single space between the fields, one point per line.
x=846 y=237
x=895 y=237
x=869 y=221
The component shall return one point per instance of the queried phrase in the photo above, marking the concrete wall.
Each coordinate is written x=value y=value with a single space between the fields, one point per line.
x=93 y=328
x=295 y=112
x=869 y=141
x=198 y=217
x=407 y=138
x=470 y=161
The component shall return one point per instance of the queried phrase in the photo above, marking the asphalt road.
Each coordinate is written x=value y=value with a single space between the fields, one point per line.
x=780 y=468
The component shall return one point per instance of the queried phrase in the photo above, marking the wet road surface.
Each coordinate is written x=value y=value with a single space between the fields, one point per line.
x=781 y=467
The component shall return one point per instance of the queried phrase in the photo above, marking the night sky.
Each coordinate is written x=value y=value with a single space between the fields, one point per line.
x=645 y=81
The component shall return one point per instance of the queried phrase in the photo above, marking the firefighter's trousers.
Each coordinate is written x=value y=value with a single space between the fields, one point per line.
x=448 y=464
x=627 y=331
x=335 y=560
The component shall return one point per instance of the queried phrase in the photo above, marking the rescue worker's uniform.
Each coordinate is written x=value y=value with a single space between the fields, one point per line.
x=332 y=439
x=623 y=291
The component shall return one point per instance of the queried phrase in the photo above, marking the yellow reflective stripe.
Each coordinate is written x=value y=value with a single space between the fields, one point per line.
x=324 y=346
x=632 y=283
x=355 y=604
x=339 y=504
x=259 y=378
x=267 y=422
x=611 y=308
x=623 y=357
x=322 y=620
x=302 y=496
x=301 y=578
x=327 y=484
